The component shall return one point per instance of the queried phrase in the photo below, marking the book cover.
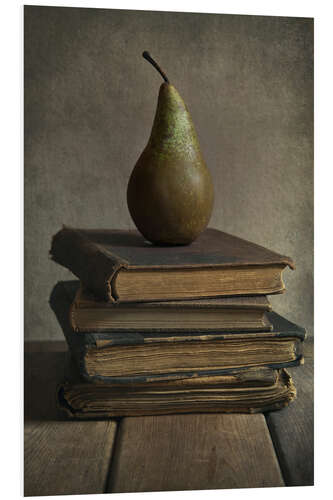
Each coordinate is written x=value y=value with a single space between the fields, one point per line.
x=140 y=356
x=121 y=266
x=201 y=315
x=250 y=391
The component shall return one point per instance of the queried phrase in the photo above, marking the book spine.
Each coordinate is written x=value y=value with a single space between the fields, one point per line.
x=72 y=319
x=77 y=344
x=93 y=265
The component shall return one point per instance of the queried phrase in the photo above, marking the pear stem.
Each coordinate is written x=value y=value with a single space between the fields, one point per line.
x=148 y=57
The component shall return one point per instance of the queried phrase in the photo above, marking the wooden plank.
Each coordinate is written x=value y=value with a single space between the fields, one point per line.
x=292 y=428
x=60 y=456
x=67 y=458
x=193 y=452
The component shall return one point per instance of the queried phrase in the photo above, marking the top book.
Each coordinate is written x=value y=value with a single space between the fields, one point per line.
x=120 y=266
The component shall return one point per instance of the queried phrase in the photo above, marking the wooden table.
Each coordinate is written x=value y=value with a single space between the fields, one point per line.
x=174 y=452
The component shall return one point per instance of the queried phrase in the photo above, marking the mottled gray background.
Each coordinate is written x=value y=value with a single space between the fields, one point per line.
x=90 y=99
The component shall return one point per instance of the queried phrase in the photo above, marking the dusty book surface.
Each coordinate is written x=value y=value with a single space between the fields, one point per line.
x=120 y=266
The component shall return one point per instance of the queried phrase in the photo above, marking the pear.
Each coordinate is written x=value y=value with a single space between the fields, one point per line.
x=170 y=191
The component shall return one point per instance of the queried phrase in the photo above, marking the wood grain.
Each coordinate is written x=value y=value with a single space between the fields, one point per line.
x=67 y=458
x=60 y=456
x=292 y=428
x=192 y=452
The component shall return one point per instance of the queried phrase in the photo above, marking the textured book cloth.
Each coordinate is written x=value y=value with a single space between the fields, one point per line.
x=201 y=315
x=250 y=391
x=139 y=356
x=121 y=266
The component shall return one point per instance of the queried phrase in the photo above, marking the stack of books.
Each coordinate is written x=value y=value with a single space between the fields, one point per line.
x=157 y=330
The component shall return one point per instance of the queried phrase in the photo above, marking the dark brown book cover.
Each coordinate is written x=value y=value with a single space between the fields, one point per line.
x=99 y=256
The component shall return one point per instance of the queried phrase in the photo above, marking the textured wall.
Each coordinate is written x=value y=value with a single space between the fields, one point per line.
x=89 y=104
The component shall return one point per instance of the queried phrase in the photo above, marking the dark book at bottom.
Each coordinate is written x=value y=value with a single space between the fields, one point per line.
x=249 y=391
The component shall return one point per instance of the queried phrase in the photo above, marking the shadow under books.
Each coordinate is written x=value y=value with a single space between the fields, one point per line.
x=44 y=364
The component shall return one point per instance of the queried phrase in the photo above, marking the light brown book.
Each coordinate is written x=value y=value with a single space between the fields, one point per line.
x=205 y=315
x=250 y=391
x=120 y=266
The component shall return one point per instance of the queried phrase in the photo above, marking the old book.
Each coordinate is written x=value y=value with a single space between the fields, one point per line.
x=249 y=391
x=202 y=315
x=139 y=356
x=120 y=266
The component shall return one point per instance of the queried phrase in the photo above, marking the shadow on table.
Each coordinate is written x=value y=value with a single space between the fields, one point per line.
x=44 y=369
x=292 y=428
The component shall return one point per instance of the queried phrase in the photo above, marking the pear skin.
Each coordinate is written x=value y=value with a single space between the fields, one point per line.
x=170 y=191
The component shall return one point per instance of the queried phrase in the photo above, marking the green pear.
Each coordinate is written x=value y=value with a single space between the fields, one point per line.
x=170 y=191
